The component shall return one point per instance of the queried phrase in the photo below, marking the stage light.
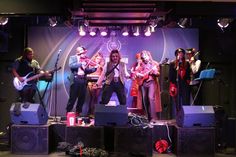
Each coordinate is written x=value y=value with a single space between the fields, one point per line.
x=136 y=31
x=3 y=20
x=184 y=22
x=125 y=31
x=153 y=25
x=103 y=31
x=92 y=31
x=52 y=21
x=81 y=30
x=147 y=31
x=224 y=22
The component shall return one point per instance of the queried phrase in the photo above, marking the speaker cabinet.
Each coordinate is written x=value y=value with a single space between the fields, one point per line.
x=132 y=140
x=26 y=113
x=30 y=139
x=195 y=142
x=190 y=116
x=164 y=77
x=166 y=105
x=111 y=115
x=90 y=136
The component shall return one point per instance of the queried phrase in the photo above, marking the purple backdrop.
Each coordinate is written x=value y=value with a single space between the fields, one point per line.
x=47 y=41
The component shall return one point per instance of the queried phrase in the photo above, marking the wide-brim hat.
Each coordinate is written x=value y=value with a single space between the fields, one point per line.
x=191 y=51
x=179 y=50
x=81 y=50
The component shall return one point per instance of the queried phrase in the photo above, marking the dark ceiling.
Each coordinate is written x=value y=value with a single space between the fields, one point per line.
x=119 y=12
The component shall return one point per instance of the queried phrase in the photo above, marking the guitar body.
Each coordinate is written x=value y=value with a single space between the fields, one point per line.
x=20 y=85
x=29 y=79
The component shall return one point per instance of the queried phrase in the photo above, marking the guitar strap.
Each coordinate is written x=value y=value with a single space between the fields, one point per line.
x=108 y=73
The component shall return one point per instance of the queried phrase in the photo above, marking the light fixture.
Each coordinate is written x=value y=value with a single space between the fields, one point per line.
x=92 y=31
x=3 y=20
x=136 y=31
x=52 y=21
x=81 y=30
x=125 y=31
x=153 y=25
x=147 y=31
x=103 y=31
x=224 y=22
x=183 y=22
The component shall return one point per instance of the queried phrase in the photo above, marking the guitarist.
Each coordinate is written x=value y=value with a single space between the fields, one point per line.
x=149 y=88
x=26 y=64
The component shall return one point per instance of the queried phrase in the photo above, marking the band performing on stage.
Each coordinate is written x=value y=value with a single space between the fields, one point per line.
x=97 y=79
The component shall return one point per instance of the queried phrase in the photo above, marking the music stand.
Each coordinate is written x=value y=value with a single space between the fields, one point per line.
x=207 y=74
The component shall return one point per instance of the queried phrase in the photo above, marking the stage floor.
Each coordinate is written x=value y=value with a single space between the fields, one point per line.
x=230 y=153
x=123 y=136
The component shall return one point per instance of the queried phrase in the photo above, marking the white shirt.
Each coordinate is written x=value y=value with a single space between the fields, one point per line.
x=195 y=66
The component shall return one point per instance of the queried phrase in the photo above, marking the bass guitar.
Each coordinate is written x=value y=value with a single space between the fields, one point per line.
x=27 y=78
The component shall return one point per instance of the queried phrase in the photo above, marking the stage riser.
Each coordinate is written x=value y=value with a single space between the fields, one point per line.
x=198 y=141
x=41 y=139
x=160 y=132
x=133 y=140
x=30 y=139
x=57 y=134
x=90 y=136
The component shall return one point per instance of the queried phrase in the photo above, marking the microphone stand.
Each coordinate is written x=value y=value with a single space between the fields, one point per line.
x=178 y=102
x=55 y=101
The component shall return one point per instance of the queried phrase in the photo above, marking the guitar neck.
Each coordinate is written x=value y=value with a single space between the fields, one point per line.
x=34 y=77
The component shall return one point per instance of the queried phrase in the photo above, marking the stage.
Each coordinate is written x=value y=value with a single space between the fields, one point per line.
x=127 y=139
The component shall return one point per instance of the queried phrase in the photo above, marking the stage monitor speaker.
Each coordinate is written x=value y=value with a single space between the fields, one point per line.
x=190 y=116
x=30 y=139
x=27 y=113
x=111 y=115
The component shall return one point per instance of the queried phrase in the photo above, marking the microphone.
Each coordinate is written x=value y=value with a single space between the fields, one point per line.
x=59 y=51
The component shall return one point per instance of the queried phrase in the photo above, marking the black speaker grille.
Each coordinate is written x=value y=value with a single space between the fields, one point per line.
x=27 y=139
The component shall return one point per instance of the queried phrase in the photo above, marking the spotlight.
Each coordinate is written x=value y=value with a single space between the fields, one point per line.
x=136 y=31
x=52 y=21
x=224 y=22
x=147 y=31
x=3 y=20
x=103 y=31
x=182 y=22
x=153 y=25
x=125 y=31
x=82 y=30
x=92 y=31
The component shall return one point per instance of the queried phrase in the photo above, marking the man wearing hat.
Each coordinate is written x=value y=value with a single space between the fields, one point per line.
x=79 y=65
x=179 y=78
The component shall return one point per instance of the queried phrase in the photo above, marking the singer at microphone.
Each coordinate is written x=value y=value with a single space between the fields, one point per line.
x=179 y=78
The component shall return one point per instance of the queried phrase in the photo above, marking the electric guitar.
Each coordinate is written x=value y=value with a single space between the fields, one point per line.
x=27 y=78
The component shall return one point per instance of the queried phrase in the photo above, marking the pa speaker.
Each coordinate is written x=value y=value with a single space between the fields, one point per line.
x=111 y=115
x=27 y=113
x=30 y=139
x=190 y=116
